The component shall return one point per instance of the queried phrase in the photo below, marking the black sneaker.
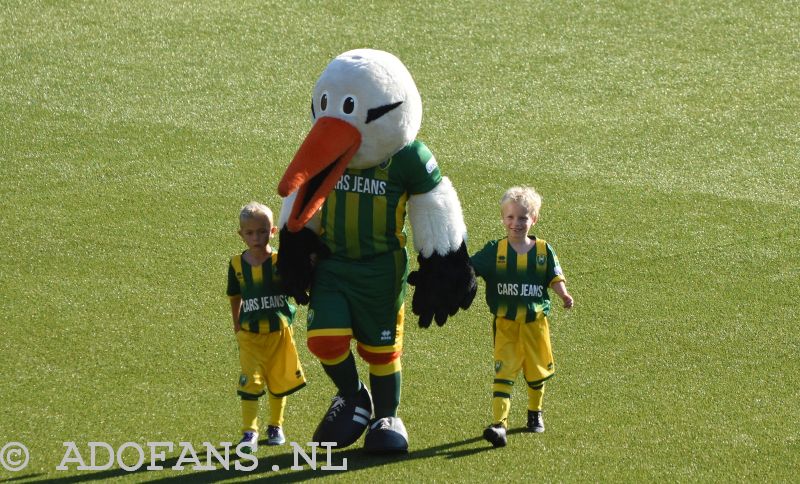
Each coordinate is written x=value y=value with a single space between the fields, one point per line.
x=496 y=435
x=346 y=419
x=535 y=421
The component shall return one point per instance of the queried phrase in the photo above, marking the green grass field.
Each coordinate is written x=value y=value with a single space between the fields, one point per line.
x=664 y=137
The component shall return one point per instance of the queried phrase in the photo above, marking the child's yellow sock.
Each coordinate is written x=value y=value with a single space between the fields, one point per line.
x=277 y=407
x=249 y=415
x=501 y=401
x=535 y=398
x=501 y=406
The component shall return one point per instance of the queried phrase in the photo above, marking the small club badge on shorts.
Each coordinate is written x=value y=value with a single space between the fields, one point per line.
x=242 y=380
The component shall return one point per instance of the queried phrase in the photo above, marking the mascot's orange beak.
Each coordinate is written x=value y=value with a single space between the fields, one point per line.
x=317 y=166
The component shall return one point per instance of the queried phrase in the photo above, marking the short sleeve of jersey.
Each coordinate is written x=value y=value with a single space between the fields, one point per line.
x=554 y=272
x=419 y=170
x=233 y=282
x=484 y=260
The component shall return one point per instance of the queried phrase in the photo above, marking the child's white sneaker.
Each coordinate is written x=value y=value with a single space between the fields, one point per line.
x=249 y=441
x=275 y=435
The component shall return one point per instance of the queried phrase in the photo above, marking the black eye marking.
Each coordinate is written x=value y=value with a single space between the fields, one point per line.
x=323 y=102
x=349 y=105
x=313 y=114
x=375 y=113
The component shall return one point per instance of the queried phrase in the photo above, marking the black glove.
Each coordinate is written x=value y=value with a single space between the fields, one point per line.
x=296 y=259
x=442 y=285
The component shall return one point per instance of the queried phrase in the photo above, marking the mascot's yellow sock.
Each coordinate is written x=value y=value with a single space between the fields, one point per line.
x=249 y=415
x=535 y=398
x=277 y=407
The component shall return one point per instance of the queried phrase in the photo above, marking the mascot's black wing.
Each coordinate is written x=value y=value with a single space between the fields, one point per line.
x=296 y=257
x=297 y=254
x=445 y=280
x=444 y=283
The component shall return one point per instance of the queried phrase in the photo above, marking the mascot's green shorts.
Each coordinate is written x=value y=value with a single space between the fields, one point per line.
x=341 y=301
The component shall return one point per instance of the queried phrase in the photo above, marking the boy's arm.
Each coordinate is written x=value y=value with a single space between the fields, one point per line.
x=561 y=289
x=483 y=260
x=236 y=306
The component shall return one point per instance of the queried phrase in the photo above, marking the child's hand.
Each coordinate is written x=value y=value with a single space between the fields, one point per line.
x=568 y=301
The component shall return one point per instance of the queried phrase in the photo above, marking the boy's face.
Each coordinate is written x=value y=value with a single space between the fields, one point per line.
x=256 y=232
x=517 y=220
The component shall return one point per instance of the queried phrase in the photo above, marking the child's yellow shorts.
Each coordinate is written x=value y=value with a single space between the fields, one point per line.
x=269 y=361
x=523 y=346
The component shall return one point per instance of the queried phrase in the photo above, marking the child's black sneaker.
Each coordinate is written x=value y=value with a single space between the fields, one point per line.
x=535 y=421
x=496 y=435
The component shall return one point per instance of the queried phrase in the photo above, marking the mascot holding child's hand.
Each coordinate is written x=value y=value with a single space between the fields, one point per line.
x=342 y=239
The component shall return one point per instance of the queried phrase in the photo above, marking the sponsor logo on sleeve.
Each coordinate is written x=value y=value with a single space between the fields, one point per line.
x=431 y=164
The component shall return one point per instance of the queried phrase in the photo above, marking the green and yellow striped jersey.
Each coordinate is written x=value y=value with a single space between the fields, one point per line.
x=264 y=306
x=516 y=284
x=365 y=214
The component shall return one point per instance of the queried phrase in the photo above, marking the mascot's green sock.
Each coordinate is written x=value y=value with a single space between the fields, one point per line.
x=385 y=393
x=344 y=375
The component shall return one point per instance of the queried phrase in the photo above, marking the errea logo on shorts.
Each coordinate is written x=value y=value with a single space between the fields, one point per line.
x=386 y=335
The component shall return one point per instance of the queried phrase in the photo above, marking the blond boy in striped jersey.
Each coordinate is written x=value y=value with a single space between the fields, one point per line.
x=262 y=317
x=518 y=270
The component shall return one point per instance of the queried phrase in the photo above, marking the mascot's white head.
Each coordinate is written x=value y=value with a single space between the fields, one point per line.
x=365 y=108
x=373 y=91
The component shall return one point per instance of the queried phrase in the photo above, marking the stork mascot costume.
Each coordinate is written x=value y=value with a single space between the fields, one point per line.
x=342 y=239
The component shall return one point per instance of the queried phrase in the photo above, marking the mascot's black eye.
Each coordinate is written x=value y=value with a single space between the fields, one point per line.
x=349 y=105
x=323 y=102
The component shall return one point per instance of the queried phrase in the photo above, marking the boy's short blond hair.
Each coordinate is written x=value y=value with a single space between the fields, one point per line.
x=253 y=210
x=525 y=196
